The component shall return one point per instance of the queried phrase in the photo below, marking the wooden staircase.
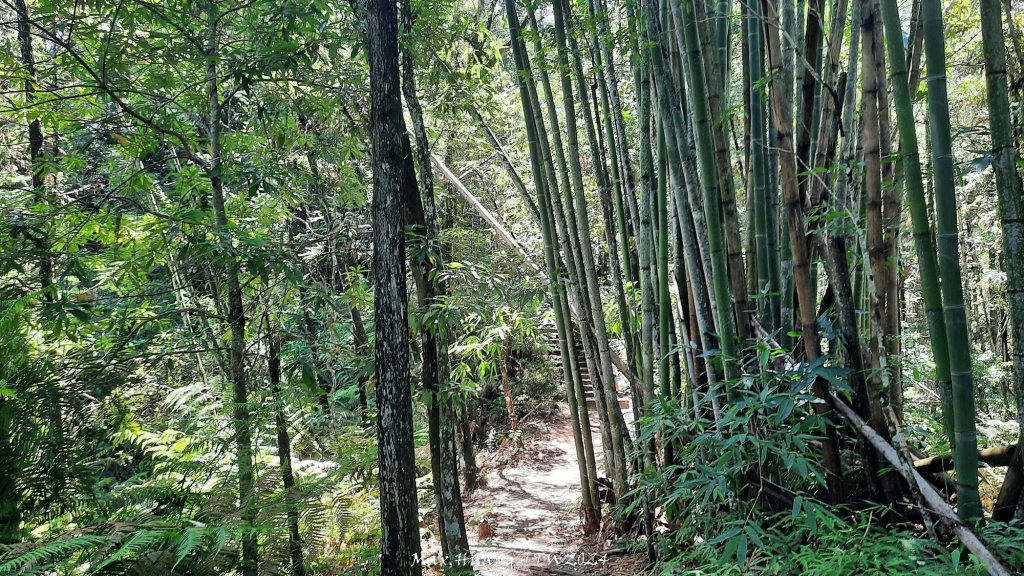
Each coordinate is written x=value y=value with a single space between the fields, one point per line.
x=549 y=333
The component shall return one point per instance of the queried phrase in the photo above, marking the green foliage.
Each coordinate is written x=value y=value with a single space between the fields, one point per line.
x=853 y=543
x=116 y=441
x=764 y=433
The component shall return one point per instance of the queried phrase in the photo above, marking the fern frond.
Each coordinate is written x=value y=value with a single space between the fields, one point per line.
x=26 y=559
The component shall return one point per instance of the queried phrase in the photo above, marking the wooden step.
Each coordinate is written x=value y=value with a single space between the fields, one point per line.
x=624 y=404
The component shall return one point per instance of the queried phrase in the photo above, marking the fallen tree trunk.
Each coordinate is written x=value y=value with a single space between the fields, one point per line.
x=998 y=456
x=508 y=238
x=934 y=501
x=484 y=213
x=936 y=504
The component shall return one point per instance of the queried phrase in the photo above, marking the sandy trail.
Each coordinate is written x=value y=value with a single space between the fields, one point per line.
x=532 y=506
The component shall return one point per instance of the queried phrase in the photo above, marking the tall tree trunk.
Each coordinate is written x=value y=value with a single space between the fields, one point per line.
x=723 y=45
x=643 y=86
x=679 y=153
x=620 y=269
x=873 y=84
x=594 y=140
x=759 y=168
x=606 y=63
x=1011 y=204
x=465 y=414
x=892 y=216
x=910 y=162
x=842 y=192
x=394 y=180
x=712 y=195
x=664 y=297
x=716 y=82
x=812 y=42
x=579 y=256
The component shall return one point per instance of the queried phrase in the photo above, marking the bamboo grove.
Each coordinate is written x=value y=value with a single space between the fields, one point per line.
x=256 y=254
x=829 y=159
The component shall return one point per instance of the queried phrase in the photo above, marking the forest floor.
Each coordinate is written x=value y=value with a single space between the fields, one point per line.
x=523 y=518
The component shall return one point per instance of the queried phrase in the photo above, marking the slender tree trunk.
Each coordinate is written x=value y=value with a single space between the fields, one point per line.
x=678 y=153
x=758 y=168
x=431 y=287
x=723 y=45
x=841 y=195
x=362 y=345
x=876 y=243
x=643 y=85
x=664 y=298
x=464 y=416
x=574 y=390
x=693 y=38
x=606 y=62
x=35 y=143
x=590 y=508
x=581 y=266
x=637 y=387
x=812 y=40
x=620 y=269
x=582 y=228
x=892 y=216
x=394 y=180
x=915 y=45
x=790 y=70
x=716 y=82
x=710 y=180
x=236 y=311
x=913 y=181
x=284 y=449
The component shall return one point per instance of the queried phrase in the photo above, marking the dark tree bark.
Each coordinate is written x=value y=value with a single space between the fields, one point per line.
x=284 y=449
x=430 y=286
x=35 y=141
x=393 y=180
x=236 y=320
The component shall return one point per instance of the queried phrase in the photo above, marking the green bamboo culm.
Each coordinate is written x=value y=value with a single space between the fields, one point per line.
x=711 y=189
x=556 y=289
x=664 y=299
x=914 y=184
x=758 y=166
x=723 y=27
x=965 y=455
x=642 y=70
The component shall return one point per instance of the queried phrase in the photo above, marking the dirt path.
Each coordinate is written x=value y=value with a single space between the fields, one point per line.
x=531 y=505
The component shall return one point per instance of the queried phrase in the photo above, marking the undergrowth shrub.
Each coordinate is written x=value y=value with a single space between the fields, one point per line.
x=824 y=544
x=743 y=494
